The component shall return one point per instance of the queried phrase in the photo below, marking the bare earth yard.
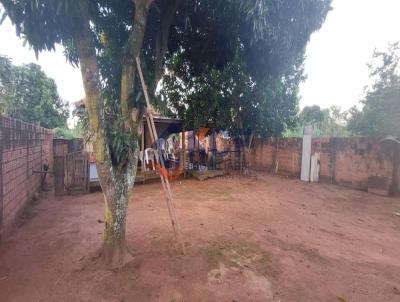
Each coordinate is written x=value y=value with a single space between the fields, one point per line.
x=264 y=239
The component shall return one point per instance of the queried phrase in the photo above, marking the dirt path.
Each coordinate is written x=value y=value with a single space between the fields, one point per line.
x=270 y=239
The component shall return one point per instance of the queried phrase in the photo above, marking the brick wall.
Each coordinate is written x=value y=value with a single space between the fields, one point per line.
x=360 y=159
x=286 y=151
x=353 y=162
x=24 y=148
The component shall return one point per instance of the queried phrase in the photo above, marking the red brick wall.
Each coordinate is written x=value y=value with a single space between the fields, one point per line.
x=261 y=156
x=289 y=155
x=322 y=145
x=346 y=161
x=358 y=159
x=286 y=151
x=24 y=148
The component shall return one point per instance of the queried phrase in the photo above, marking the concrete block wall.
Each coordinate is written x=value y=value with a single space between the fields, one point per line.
x=24 y=148
x=350 y=162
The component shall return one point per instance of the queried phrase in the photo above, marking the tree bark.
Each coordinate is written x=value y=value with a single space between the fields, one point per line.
x=132 y=49
x=117 y=194
x=239 y=124
x=168 y=10
x=116 y=182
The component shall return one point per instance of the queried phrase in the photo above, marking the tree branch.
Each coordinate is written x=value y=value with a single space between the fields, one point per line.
x=167 y=13
x=132 y=49
x=93 y=99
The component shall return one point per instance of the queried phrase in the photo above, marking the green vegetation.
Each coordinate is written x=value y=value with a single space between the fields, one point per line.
x=326 y=122
x=238 y=64
x=67 y=133
x=26 y=93
x=380 y=113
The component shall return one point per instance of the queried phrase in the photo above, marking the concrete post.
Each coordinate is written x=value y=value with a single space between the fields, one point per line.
x=306 y=154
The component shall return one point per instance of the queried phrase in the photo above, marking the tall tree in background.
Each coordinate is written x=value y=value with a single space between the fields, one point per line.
x=326 y=122
x=380 y=114
x=311 y=115
x=248 y=62
x=6 y=84
x=26 y=93
x=247 y=44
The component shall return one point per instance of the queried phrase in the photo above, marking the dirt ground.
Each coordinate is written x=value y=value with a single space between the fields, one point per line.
x=264 y=239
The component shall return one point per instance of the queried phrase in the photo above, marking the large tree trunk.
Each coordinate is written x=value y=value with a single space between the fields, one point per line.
x=116 y=195
x=114 y=249
x=116 y=182
x=239 y=125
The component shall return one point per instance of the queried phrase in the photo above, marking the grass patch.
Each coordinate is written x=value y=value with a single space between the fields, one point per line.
x=214 y=256
x=311 y=254
x=236 y=253
x=165 y=246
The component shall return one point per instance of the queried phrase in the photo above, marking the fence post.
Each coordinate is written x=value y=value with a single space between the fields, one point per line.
x=59 y=164
x=306 y=154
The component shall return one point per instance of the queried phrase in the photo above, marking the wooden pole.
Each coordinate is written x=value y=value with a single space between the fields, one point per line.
x=164 y=177
x=143 y=147
x=183 y=157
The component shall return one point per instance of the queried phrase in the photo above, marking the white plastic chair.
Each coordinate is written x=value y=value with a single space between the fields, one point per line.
x=149 y=156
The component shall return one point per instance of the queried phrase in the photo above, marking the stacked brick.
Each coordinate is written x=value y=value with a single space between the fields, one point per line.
x=24 y=149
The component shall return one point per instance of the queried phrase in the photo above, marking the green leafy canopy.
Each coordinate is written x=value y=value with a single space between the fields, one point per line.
x=26 y=93
x=225 y=61
x=240 y=60
x=380 y=113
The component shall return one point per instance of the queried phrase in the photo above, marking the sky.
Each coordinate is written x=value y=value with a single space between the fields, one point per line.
x=337 y=55
x=336 y=63
x=54 y=64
